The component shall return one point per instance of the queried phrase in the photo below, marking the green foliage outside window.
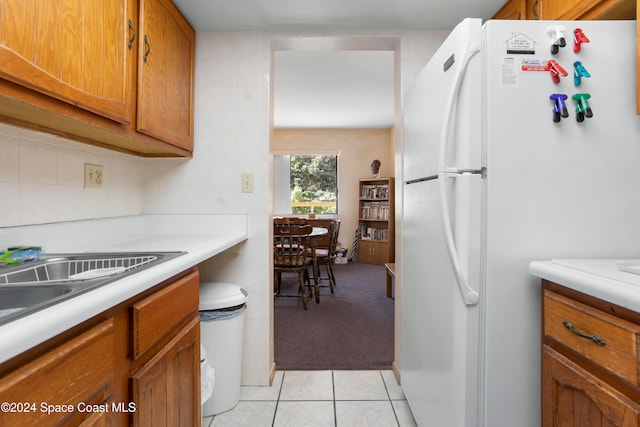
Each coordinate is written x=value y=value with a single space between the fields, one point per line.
x=314 y=184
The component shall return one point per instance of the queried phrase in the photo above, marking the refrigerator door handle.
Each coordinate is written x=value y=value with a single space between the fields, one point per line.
x=471 y=48
x=470 y=296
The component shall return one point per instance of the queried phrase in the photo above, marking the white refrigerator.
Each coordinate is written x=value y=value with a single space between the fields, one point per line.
x=499 y=169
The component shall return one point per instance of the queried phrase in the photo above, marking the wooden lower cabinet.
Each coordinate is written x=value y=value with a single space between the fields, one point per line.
x=373 y=252
x=590 y=361
x=165 y=349
x=64 y=385
x=91 y=376
x=571 y=396
x=167 y=389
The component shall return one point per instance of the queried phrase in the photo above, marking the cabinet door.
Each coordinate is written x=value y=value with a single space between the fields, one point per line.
x=574 y=9
x=573 y=397
x=544 y=9
x=372 y=252
x=72 y=50
x=580 y=9
x=167 y=389
x=80 y=371
x=165 y=74
x=513 y=9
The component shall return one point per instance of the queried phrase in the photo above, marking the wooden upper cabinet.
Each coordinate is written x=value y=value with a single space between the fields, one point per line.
x=544 y=9
x=166 y=63
x=581 y=9
x=514 y=9
x=72 y=50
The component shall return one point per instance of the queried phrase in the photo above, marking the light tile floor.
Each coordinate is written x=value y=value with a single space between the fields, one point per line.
x=320 y=398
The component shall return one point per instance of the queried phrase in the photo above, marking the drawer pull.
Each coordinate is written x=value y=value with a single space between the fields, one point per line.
x=596 y=339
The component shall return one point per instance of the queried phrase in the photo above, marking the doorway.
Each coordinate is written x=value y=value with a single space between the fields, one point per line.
x=317 y=83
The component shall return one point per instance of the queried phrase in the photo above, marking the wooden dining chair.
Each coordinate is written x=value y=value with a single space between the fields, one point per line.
x=325 y=254
x=291 y=254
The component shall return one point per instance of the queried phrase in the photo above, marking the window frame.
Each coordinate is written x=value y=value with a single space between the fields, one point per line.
x=282 y=180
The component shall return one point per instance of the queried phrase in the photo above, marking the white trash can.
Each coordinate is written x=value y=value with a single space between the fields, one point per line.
x=222 y=307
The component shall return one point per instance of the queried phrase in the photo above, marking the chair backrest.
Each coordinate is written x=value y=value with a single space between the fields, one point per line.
x=324 y=241
x=334 y=230
x=290 y=245
x=289 y=221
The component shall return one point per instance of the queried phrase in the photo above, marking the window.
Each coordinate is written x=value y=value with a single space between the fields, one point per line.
x=306 y=184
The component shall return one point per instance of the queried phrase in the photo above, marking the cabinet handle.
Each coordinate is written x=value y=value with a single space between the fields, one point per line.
x=147 y=48
x=596 y=339
x=533 y=10
x=133 y=34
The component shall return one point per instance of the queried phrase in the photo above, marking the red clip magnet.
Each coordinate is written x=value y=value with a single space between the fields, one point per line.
x=578 y=39
x=556 y=70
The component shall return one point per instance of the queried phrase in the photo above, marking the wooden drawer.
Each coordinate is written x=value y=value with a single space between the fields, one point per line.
x=155 y=317
x=76 y=373
x=617 y=351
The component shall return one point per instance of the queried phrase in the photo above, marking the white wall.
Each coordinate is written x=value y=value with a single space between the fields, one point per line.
x=231 y=137
x=41 y=176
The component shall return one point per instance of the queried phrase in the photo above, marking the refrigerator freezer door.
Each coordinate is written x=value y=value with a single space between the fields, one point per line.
x=440 y=354
x=433 y=97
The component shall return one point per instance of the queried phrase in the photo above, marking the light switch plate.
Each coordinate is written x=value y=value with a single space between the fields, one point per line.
x=93 y=176
x=247 y=183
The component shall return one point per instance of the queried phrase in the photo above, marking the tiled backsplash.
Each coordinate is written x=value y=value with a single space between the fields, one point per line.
x=42 y=180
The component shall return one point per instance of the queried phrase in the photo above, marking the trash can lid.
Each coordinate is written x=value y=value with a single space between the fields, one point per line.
x=219 y=295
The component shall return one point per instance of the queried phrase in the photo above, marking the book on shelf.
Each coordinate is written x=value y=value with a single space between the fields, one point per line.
x=374 y=191
x=373 y=233
x=375 y=211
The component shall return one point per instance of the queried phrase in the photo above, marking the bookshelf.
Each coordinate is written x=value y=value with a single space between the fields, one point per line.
x=376 y=221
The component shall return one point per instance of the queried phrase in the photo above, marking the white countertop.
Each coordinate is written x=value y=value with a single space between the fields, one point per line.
x=601 y=278
x=200 y=236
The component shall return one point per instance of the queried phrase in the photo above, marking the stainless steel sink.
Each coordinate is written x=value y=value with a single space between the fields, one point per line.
x=14 y=298
x=34 y=285
x=78 y=267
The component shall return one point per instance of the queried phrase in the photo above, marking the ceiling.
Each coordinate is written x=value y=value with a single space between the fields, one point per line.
x=333 y=88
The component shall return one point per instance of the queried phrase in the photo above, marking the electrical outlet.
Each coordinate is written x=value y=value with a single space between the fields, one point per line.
x=247 y=183
x=93 y=176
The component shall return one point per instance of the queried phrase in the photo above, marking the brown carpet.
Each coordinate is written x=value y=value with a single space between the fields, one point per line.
x=350 y=329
